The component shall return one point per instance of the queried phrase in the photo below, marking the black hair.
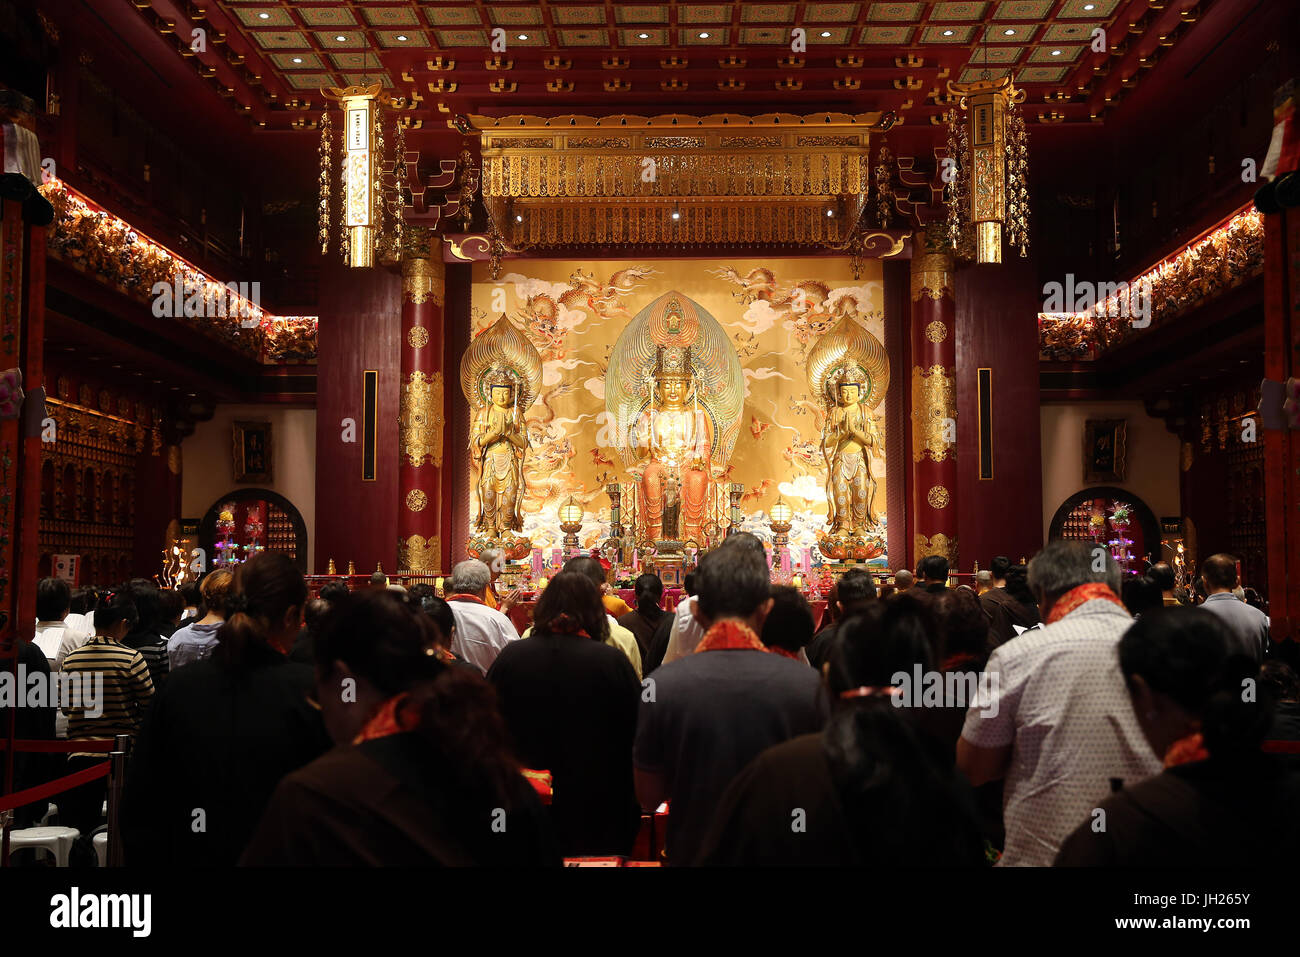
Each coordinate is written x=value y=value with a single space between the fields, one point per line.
x=114 y=605
x=896 y=798
x=149 y=606
x=419 y=592
x=789 y=624
x=963 y=629
x=170 y=607
x=265 y=588
x=1187 y=655
x=999 y=567
x=191 y=595
x=82 y=601
x=688 y=583
x=378 y=578
x=333 y=591
x=1281 y=680
x=571 y=603
x=313 y=614
x=1220 y=571
x=854 y=586
x=440 y=611
x=53 y=599
x=649 y=590
x=1141 y=594
x=733 y=583
x=1162 y=575
x=933 y=568
x=586 y=565
x=746 y=540
x=382 y=638
x=1017 y=577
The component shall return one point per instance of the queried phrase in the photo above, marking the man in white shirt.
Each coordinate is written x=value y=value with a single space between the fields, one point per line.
x=481 y=632
x=1249 y=626
x=55 y=636
x=1059 y=726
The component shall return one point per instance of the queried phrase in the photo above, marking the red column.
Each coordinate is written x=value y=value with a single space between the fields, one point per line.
x=1282 y=448
x=421 y=422
x=934 y=399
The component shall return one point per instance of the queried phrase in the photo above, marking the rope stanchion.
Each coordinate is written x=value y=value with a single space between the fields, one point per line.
x=66 y=783
x=41 y=746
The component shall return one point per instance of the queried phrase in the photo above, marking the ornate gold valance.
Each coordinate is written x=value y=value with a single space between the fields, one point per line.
x=722 y=179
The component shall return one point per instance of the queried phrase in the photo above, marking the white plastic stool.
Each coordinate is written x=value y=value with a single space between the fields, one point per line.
x=100 y=841
x=57 y=840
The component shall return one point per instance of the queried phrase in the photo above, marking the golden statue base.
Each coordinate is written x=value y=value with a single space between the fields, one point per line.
x=512 y=547
x=845 y=546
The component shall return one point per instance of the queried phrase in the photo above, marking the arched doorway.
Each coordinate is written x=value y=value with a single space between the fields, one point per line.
x=1077 y=520
x=258 y=516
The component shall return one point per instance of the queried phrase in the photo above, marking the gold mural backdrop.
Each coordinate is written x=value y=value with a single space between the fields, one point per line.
x=772 y=312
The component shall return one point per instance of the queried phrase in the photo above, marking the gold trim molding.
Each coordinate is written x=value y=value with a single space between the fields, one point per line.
x=417 y=500
x=938 y=544
x=934 y=400
x=417 y=337
x=420 y=554
x=931 y=276
x=936 y=331
x=938 y=497
x=420 y=419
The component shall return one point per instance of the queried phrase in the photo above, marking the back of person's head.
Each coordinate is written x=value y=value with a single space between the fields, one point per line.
x=1185 y=656
x=649 y=590
x=115 y=605
x=419 y=592
x=963 y=629
x=789 y=624
x=733 y=583
x=999 y=567
x=571 y=603
x=895 y=797
x=1018 y=585
x=1141 y=594
x=586 y=565
x=984 y=579
x=53 y=599
x=1063 y=565
x=314 y=614
x=83 y=601
x=148 y=605
x=470 y=577
x=904 y=579
x=493 y=559
x=1163 y=575
x=1253 y=599
x=191 y=594
x=440 y=611
x=688 y=584
x=379 y=638
x=333 y=591
x=854 y=588
x=172 y=606
x=378 y=579
x=1281 y=681
x=746 y=541
x=933 y=568
x=265 y=601
x=1219 y=572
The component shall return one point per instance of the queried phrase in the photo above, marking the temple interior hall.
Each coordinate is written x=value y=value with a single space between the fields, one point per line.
x=368 y=366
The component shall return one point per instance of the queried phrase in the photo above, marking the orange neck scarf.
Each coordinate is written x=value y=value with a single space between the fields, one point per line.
x=390 y=718
x=731 y=635
x=1075 y=597
x=1186 y=750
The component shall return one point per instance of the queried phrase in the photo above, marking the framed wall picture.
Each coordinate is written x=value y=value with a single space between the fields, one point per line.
x=252 y=447
x=1103 y=451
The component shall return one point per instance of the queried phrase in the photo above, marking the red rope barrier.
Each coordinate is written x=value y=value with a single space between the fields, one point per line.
x=57 y=786
x=1281 y=747
x=34 y=746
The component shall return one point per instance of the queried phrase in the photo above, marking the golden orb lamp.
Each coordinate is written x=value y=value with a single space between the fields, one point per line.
x=570 y=522
x=781 y=515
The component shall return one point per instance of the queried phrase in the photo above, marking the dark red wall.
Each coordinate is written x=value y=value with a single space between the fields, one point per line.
x=997 y=328
x=360 y=324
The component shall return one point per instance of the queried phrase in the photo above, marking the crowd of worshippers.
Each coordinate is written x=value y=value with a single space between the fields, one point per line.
x=390 y=726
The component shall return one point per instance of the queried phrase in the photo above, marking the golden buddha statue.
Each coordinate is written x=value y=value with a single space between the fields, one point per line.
x=847 y=443
x=500 y=374
x=676 y=437
x=499 y=441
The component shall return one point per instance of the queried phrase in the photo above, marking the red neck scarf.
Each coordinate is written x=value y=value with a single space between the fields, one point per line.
x=731 y=635
x=460 y=596
x=1186 y=750
x=1075 y=597
x=392 y=717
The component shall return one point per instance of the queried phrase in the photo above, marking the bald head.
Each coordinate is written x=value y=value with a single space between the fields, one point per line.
x=904 y=579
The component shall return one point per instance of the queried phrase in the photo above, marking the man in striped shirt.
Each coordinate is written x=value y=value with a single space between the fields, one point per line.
x=127 y=691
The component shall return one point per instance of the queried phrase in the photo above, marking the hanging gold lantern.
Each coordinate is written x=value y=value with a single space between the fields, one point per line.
x=362 y=193
x=988 y=186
